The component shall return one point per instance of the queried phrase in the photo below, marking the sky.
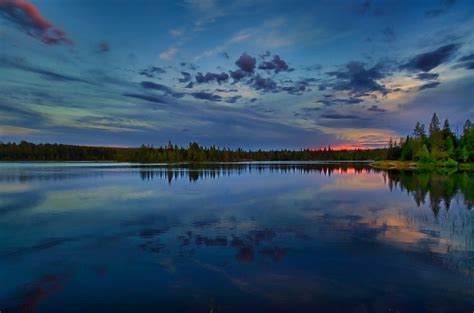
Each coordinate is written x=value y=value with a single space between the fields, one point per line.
x=251 y=73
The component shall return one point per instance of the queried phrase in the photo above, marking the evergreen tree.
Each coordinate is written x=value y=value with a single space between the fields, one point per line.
x=419 y=131
x=434 y=125
x=424 y=155
x=467 y=126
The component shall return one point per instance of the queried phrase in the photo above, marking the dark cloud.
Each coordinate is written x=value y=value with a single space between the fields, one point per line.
x=232 y=99
x=297 y=89
x=103 y=46
x=465 y=58
x=429 y=86
x=276 y=64
x=466 y=65
x=466 y=62
x=152 y=71
x=375 y=108
x=246 y=63
x=264 y=84
x=186 y=77
x=206 y=96
x=429 y=60
x=238 y=75
x=155 y=99
x=307 y=111
x=358 y=80
x=337 y=116
x=167 y=90
x=427 y=76
x=348 y=101
x=24 y=66
x=28 y=18
x=210 y=77
x=226 y=90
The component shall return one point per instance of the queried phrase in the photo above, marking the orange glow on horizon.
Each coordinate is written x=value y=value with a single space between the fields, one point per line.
x=344 y=147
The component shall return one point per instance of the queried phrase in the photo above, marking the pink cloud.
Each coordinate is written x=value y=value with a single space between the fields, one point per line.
x=28 y=18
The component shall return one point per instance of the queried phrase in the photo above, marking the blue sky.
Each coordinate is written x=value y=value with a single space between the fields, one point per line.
x=252 y=73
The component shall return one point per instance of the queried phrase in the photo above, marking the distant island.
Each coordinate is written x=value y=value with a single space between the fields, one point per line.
x=440 y=147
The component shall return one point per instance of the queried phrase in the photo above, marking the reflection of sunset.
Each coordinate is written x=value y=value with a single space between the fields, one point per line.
x=350 y=179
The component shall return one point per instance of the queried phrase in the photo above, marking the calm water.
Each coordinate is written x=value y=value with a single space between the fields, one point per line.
x=234 y=238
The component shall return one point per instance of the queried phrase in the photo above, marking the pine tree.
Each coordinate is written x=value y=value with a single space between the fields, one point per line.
x=468 y=126
x=434 y=125
x=419 y=131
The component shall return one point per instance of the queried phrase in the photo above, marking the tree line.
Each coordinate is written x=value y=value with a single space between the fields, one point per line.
x=439 y=144
x=27 y=151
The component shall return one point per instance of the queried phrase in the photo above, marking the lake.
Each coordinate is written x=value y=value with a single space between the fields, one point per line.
x=242 y=237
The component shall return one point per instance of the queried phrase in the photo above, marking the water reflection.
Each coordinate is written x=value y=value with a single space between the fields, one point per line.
x=233 y=238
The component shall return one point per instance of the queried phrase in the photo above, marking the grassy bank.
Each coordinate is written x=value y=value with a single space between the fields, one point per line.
x=411 y=165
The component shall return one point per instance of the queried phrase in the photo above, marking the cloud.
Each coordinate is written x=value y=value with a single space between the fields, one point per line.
x=466 y=62
x=264 y=84
x=24 y=66
x=209 y=77
x=337 y=116
x=28 y=18
x=428 y=86
x=330 y=102
x=186 y=77
x=155 y=99
x=238 y=75
x=167 y=90
x=358 y=80
x=246 y=63
x=429 y=60
x=427 y=76
x=103 y=46
x=469 y=57
x=232 y=99
x=152 y=71
x=465 y=65
x=221 y=49
x=177 y=32
x=375 y=108
x=206 y=96
x=168 y=54
x=277 y=65
x=296 y=89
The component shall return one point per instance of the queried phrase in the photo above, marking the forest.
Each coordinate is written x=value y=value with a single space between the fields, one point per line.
x=26 y=151
x=440 y=144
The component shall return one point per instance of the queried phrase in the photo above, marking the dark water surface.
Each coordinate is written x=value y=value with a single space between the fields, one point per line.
x=234 y=238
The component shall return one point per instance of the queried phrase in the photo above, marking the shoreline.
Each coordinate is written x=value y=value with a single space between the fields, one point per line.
x=411 y=165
